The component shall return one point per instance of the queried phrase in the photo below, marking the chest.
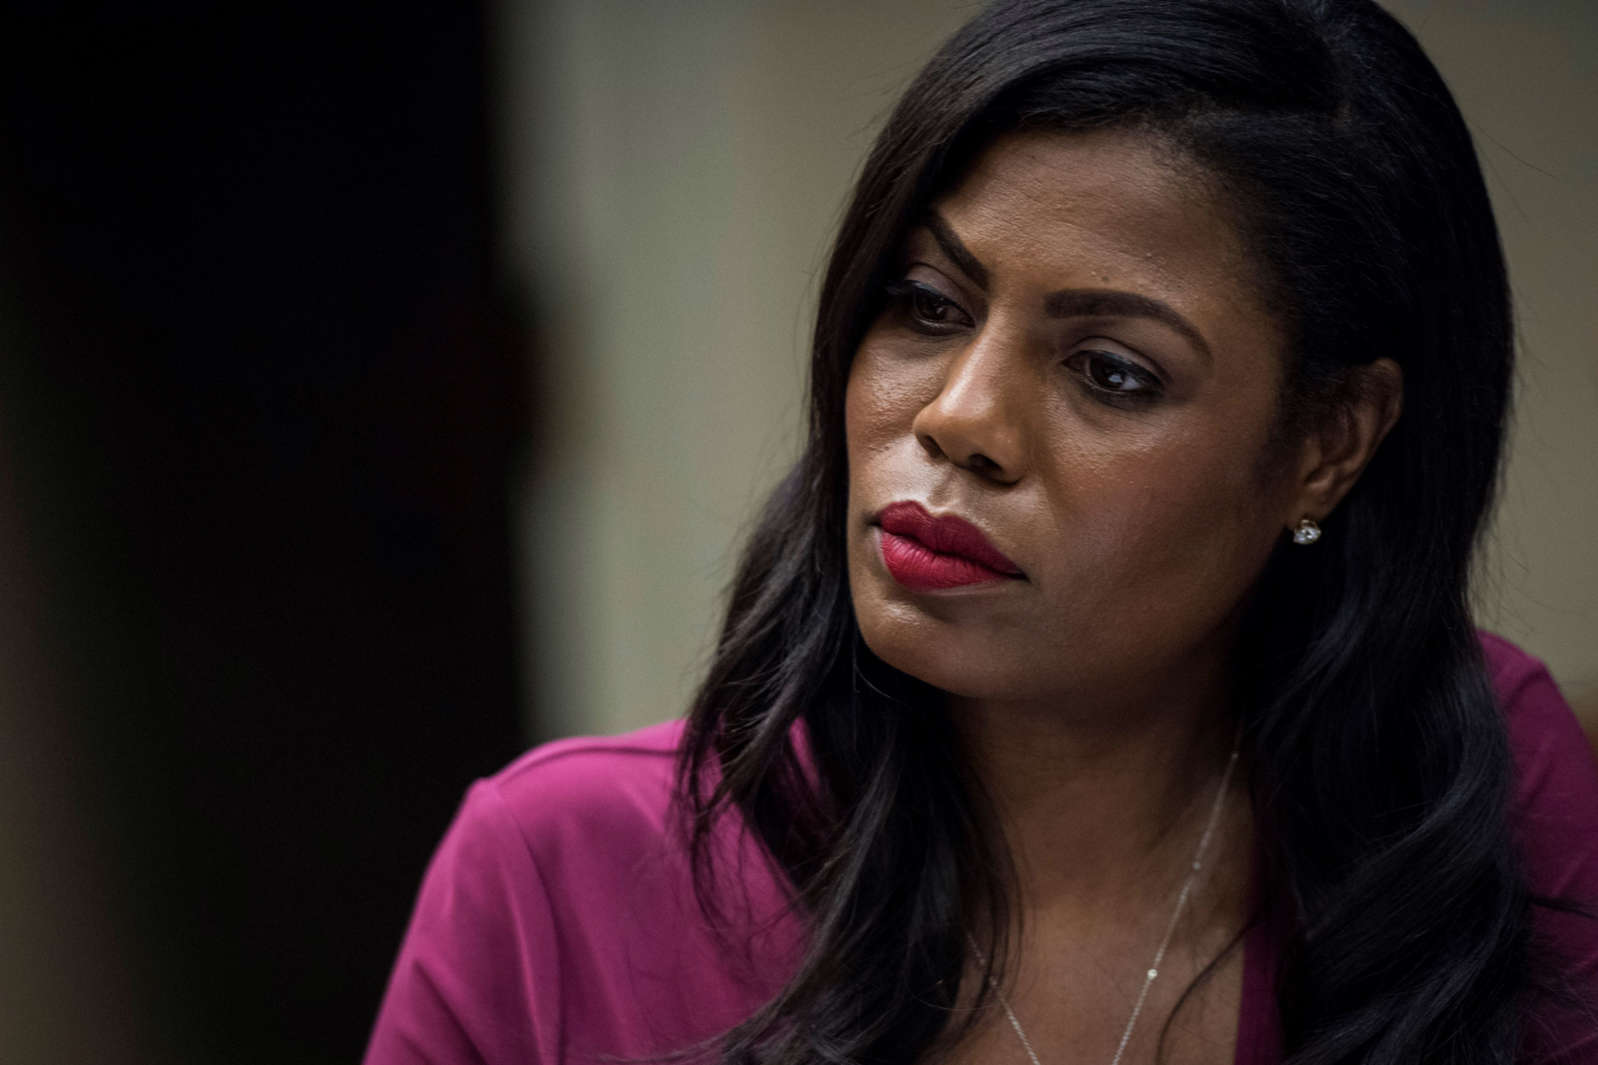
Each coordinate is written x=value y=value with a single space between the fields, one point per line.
x=1077 y=1009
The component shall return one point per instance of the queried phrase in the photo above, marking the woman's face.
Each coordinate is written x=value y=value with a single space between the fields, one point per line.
x=1076 y=361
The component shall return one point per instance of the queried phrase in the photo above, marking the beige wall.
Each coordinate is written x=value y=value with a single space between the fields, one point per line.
x=1526 y=79
x=673 y=173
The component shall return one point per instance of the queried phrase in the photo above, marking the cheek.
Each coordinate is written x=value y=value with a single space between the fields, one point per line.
x=1171 y=538
x=881 y=398
x=882 y=382
x=858 y=433
x=857 y=413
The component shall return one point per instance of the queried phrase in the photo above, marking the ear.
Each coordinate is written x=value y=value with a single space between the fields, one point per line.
x=1336 y=450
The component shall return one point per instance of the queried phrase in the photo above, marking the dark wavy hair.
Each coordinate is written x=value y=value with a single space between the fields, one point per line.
x=1379 y=761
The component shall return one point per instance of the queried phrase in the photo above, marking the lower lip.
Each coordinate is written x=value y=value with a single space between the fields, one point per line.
x=915 y=565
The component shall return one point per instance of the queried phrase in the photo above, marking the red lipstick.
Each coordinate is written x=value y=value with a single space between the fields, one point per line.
x=925 y=552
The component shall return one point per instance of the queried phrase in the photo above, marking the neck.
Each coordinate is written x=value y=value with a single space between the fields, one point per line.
x=1103 y=805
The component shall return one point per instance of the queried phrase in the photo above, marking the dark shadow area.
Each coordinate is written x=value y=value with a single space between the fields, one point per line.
x=264 y=396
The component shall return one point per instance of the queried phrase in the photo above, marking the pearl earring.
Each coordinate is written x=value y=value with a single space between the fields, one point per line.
x=1306 y=531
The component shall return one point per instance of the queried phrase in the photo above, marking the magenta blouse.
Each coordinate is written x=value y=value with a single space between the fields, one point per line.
x=557 y=921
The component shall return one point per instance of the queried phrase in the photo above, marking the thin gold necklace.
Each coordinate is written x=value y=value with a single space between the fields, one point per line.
x=1159 y=955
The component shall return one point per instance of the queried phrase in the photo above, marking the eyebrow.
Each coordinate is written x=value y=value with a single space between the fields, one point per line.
x=957 y=252
x=1112 y=303
x=1071 y=302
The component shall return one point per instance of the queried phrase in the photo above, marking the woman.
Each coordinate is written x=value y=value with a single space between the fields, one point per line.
x=1100 y=685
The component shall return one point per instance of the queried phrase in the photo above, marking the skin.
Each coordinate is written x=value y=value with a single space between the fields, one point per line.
x=1125 y=463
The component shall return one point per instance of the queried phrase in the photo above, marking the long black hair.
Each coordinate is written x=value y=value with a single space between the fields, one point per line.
x=1371 y=729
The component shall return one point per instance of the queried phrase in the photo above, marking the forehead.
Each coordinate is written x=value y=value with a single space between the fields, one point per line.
x=1107 y=209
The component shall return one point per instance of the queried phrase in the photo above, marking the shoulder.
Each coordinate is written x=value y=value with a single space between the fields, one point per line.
x=565 y=796
x=1554 y=816
x=1513 y=672
x=558 y=919
x=1556 y=777
x=584 y=756
x=565 y=816
x=645 y=756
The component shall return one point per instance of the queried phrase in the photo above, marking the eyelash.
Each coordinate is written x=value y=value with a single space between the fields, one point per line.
x=1149 y=387
x=903 y=296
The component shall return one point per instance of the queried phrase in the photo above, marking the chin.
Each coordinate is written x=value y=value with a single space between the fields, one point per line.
x=932 y=653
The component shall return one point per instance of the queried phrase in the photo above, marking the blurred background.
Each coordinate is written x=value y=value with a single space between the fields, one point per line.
x=384 y=394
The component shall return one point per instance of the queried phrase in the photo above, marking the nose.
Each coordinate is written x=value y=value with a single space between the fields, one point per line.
x=975 y=421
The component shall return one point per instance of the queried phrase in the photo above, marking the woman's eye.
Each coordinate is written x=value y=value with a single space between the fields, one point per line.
x=926 y=309
x=1114 y=377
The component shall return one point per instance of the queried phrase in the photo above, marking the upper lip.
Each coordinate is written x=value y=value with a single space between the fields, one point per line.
x=947 y=534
